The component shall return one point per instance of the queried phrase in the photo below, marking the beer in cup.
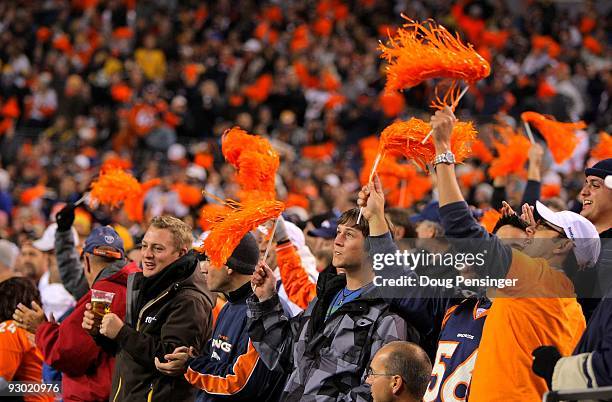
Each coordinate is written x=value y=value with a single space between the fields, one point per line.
x=100 y=305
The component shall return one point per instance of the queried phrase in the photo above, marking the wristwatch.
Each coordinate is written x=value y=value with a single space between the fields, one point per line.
x=447 y=157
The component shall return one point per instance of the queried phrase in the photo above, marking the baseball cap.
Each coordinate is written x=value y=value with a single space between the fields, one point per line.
x=431 y=212
x=106 y=242
x=327 y=230
x=600 y=169
x=47 y=240
x=608 y=181
x=577 y=228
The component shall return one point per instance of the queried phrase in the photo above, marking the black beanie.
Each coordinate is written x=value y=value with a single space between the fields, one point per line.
x=245 y=257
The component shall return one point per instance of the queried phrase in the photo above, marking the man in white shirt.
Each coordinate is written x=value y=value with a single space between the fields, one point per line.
x=55 y=298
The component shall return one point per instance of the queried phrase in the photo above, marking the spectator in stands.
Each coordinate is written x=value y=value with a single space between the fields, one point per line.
x=20 y=359
x=561 y=239
x=588 y=367
x=54 y=296
x=8 y=255
x=229 y=368
x=399 y=372
x=168 y=306
x=304 y=345
x=86 y=367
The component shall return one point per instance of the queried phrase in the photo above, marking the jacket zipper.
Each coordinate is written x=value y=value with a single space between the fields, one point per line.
x=150 y=393
x=118 y=390
x=146 y=306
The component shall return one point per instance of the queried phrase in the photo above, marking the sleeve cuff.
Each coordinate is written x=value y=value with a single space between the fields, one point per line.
x=124 y=334
x=258 y=309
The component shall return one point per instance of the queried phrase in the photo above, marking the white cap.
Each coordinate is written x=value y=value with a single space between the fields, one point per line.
x=577 y=228
x=47 y=241
x=608 y=181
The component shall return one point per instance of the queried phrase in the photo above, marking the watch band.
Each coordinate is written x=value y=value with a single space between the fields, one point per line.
x=447 y=157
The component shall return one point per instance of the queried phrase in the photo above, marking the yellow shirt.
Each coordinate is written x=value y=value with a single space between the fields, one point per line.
x=152 y=62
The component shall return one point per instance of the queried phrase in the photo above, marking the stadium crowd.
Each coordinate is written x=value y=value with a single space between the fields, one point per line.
x=151 y=86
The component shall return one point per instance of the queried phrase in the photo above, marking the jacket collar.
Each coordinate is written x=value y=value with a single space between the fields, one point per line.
x=240 y=294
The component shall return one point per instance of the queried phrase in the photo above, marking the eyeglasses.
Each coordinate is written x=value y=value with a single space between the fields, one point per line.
x=370 y=373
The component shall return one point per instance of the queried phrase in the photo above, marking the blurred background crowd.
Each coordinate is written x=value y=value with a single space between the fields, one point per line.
x=151 y=85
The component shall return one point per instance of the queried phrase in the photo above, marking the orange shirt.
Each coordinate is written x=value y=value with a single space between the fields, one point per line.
x=516 y=326
x=20 y=359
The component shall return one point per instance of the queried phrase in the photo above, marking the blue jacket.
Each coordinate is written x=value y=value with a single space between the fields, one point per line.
x=231 y=369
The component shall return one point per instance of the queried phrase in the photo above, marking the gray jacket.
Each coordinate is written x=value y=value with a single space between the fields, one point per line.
x=327 y=357
x=69 y=265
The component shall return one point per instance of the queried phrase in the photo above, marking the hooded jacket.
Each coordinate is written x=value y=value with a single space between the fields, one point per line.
x=87 y=368
x=170 y=309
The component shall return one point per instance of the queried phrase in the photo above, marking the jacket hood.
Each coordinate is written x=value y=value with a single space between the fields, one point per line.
x=118 y=272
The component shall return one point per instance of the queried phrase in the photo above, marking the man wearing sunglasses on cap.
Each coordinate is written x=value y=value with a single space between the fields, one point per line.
x=541 y=309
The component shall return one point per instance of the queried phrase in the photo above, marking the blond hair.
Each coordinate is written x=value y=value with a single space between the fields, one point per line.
x=181 y=232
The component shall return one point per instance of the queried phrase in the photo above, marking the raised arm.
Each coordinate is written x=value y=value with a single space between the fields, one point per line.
x=69 y=266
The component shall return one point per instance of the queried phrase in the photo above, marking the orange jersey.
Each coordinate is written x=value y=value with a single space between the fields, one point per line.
x=516 y=326
x=20 y=359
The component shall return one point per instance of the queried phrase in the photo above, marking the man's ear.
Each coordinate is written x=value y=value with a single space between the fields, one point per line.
x=563 y=246
x=530 y=231
x=397 y=385
x=182 y=252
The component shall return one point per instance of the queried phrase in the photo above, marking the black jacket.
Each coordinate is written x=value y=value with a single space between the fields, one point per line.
x=170 y=309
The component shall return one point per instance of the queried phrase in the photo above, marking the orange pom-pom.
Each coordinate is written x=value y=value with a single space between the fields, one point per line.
x=189 y=195
x=489 y=219
x=550 y=190
x=481 y=151
x=211 y=213
x=231 y=228
x=115 y=163
x=296 y=200
x=204 y=160
x=33 y=193
x=255 y=160
x=114 y=186
x=512 y=154
x=603 y=149
x=392 y=103
x=11 y=108
x=405 y=137
x=320 y=152
x=134 y=204
x=470 y=179
x=546 y=42
x=260 y=89
x=560 y=137
x=418 y=52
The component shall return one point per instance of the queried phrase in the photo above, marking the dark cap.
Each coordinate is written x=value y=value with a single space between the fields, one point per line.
x=431 y=212
x=600 y=169
x=327 y=230
x=105 y=242
x=245 y=257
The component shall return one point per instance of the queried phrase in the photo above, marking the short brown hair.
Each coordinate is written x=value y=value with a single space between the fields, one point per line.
x=349 y=217
x=181 y=232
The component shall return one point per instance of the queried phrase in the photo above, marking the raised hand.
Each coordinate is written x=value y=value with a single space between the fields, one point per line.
x=263 y=282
